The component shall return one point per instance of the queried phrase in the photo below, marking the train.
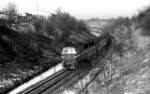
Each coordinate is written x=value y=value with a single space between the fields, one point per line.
x=72 y=55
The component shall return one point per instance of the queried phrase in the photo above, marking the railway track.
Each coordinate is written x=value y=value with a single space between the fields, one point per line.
x=51 y=83
x=48 y=84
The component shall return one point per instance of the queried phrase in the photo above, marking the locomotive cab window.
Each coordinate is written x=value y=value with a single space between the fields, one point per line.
x=93 y=43
x=69 y=52
x=86 y=46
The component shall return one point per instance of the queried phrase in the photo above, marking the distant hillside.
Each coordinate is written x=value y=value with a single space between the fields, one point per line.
x=99 y=24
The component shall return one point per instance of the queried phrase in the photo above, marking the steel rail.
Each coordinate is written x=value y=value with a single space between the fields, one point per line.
x=61 y=82
x=48 y=84
x=34 y=87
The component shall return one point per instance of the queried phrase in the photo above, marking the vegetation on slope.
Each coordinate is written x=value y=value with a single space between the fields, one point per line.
x=143 y=19
x=25 y=54
x=127 y=71
x=22 y=57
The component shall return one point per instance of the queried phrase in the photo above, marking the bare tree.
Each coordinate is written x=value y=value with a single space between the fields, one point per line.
x=11 y=14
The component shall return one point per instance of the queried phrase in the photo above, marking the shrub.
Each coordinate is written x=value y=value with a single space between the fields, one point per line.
x=61 y=25
x=144 y=20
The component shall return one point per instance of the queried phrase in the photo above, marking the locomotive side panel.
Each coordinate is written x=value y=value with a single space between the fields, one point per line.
x=89 y=49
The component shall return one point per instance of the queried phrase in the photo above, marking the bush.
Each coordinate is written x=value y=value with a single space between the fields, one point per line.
x=144 y=20
x=61 y=25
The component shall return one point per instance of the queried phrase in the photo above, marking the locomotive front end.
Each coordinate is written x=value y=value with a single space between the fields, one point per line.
x=69 y=57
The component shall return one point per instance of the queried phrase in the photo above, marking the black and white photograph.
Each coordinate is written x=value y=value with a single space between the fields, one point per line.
x=74 y=46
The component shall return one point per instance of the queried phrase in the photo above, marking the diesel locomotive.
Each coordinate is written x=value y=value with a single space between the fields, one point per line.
x=72 y=55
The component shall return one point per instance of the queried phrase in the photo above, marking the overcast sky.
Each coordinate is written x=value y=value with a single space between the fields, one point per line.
x=83 y=9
